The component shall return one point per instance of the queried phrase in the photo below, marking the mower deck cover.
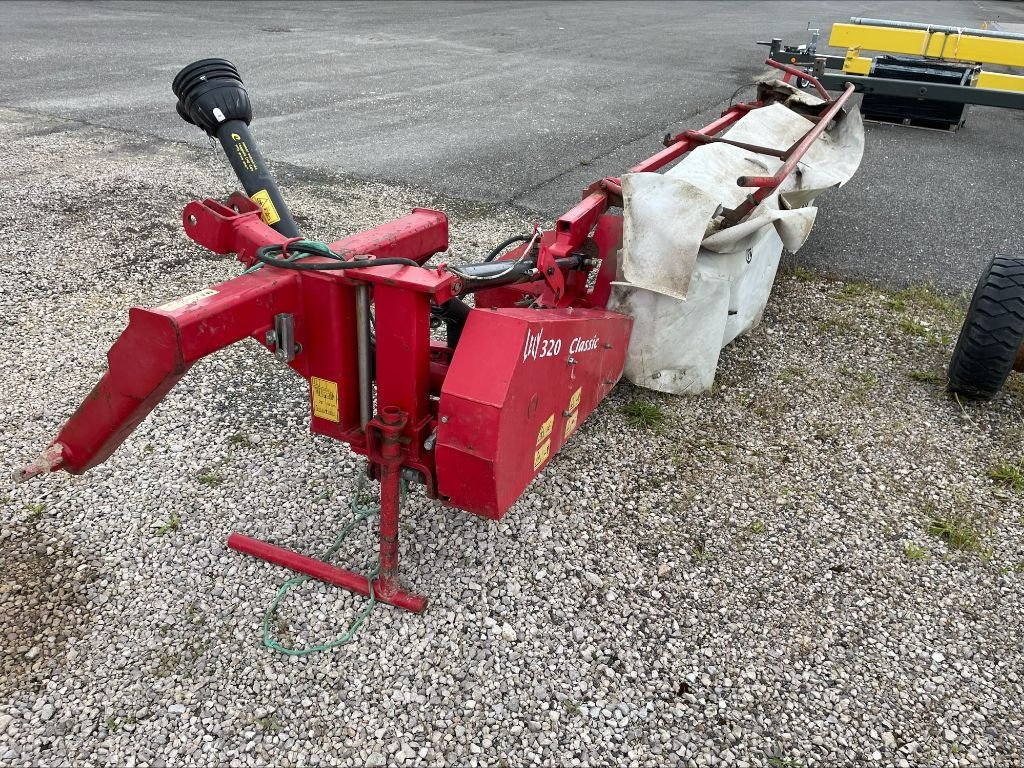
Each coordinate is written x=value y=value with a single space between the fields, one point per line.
x=693 y=284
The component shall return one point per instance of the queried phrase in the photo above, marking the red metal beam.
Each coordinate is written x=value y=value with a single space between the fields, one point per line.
x=681 y=145
x=796 y=152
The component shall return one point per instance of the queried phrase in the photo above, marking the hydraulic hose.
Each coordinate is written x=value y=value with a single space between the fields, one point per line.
x=211 y=96
x=478 y=277
x=505 y=244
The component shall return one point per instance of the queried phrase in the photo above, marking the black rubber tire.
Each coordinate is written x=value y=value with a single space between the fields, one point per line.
x=993 y=331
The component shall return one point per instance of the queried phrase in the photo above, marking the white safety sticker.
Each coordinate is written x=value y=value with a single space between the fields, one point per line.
x=184 y=301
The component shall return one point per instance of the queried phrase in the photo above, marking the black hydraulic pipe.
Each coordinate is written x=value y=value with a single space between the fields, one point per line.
x=211 y=95
x=454 y=313
x=494 y=274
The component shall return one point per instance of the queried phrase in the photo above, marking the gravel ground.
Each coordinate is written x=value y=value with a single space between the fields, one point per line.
x=808 y=566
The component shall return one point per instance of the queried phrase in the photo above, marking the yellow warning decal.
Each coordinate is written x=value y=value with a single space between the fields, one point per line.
x=184 y=301
x=325 y=398
x=541 y=454
x=269 y=215
x=574 y=401
x=570 y=424
x=545 y=429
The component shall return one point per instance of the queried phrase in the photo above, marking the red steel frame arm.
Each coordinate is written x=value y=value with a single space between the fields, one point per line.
x=160 y=345
x=681 y=144
x=155 y=351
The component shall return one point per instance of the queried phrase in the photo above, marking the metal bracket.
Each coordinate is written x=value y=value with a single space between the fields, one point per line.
x=283 y=338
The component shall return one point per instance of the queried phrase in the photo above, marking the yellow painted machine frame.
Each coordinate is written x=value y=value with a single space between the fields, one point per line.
x=932 y=45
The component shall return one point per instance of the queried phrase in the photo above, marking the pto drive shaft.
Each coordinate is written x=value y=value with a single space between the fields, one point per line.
x=211 y=95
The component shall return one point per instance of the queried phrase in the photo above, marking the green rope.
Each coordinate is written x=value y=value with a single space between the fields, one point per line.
x=360 y=512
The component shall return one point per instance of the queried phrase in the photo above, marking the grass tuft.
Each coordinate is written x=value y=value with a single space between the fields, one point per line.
x=270 y=724
x=851 y=291
x=950 y=308
x=914 y=552
x=1009 y=475
x=791 y=373
x=929 y=377
x=171 y=525
x=644 y=415
x=699 y=553
x=913 y=327
x=789 y=268
x=240 y=440
x=956 y=531
x=211 y=478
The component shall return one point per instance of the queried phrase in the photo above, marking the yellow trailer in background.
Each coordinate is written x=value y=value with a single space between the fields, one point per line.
x=929 y=41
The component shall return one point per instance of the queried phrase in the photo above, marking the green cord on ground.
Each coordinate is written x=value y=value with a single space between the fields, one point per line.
x=360 y=511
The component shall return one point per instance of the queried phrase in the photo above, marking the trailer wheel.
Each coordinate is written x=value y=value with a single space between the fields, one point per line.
x=991 y=342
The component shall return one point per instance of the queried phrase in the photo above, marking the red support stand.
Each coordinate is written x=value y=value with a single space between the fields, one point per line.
x=386 y=587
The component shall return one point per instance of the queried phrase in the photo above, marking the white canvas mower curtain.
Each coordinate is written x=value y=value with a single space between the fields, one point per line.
x=691 y=284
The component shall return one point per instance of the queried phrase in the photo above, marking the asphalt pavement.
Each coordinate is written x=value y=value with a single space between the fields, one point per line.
x=525 y=103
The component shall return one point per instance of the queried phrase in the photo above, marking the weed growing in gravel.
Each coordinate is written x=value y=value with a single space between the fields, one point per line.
x=284 y=629
x=789 y=268
x=171 y=525
x=114 y=724
x=851 y=291
x=239 y=440
x=166 y=665
x=699 y=553
x=914 y=327
x=929 y=377
x=896 y=303
x=791 y=373
x=644 y=415
x=35 y=511
x=270 y=724
x=1009 y=474
x=194 y=615
x=572 y=707
x=861 y=384
x=957 y=531
x=840 y=324
x=757 y=527
x=914 y=552
x=211 y=478
x=925 y=297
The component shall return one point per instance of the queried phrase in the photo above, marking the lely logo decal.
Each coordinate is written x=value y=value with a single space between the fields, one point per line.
x=537 y=346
